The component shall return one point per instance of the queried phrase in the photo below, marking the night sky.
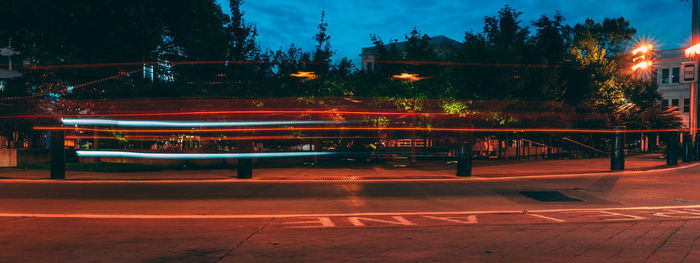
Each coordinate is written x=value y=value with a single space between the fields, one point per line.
x=282 y=22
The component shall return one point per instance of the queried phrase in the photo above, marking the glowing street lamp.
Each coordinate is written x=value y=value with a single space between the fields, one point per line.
x=692 y=51
x=643 y=49
x=643 y=65
x=408 y=77
x=643 y=57
x=304 y=75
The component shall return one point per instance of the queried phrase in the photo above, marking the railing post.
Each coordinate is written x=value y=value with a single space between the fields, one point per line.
x=58 y=155
x=617 y=156
x=687 y=148
x=245 y=165
x=672 y=148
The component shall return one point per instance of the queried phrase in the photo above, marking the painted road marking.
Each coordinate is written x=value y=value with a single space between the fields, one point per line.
x=322 y=222
x=429 y=219
x=470 y=219
x=399 y=220
x=605 y=214
x=547 y=217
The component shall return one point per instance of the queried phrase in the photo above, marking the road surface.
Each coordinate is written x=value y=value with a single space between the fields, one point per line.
x=630 y=217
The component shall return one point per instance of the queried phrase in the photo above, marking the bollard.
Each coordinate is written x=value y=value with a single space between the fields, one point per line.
x=245 y=165
x=696 y=151
x=464 y=157
x=617 y=156
x=687 y=148
x=672 y=148
x=58 y=155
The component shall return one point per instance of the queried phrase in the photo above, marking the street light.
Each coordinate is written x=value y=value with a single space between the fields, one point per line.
x=692 y=51
x=408 y=77
x=304 y=75
x=643 y=57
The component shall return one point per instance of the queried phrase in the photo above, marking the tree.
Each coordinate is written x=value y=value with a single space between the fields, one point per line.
x=613 y=34
x=323 y=53
x=85 y=32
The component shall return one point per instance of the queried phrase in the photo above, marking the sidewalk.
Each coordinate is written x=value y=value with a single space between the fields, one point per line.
x=345 y=170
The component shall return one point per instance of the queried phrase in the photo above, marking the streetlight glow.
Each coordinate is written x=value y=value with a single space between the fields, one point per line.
x=643 y=65
x=643 y=57
x=643 y=49
x=304 y=74
x=692 y=51
x=408 y=77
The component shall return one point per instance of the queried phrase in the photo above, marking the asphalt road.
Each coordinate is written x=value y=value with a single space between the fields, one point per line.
x=631 y=217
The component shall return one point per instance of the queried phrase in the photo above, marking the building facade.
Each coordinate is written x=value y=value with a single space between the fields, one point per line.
x=444 y=46
x=668 y=65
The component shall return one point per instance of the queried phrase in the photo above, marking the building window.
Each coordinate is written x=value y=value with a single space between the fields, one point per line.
x=676 y=75
x=664 y=76
x=686 y=105
x=675 y=102
x=664 y=102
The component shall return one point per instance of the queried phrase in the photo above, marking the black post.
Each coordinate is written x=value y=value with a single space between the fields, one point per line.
x=245 y=165
x=58 y=155
x=687 y=148
x=464 y=157
x=696 y=155
x=617 y=156
x=672 y=148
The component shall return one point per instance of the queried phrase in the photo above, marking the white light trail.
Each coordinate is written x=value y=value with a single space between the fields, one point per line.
x=197 y=155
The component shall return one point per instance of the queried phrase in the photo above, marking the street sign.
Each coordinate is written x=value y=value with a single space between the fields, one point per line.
x=690 y=72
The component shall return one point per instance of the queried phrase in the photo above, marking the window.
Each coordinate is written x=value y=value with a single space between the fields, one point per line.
x=676 y=75
x=686 y=105
x=675 y=102
x=664 y=76
x=665 y=103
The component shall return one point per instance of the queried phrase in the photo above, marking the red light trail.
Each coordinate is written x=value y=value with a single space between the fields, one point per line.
x=233 y=112
x=499 y=130
x=228 y=62
x=239 y=138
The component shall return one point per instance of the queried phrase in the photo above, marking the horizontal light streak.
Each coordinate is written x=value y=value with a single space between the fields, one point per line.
x=533 y=130
x=238 y=138
x=139 y=123
x=246 y=112
x=197 y=155
x=229 y=62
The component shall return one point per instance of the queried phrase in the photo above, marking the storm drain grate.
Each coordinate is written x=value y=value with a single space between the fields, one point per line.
x=549 y=196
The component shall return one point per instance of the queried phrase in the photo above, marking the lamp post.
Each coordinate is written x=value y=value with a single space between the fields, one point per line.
x=410 y=78
x=643 y=56
x=690 y=71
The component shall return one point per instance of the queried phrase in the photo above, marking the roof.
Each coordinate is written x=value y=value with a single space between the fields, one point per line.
x=6 y=74
x=439 y=41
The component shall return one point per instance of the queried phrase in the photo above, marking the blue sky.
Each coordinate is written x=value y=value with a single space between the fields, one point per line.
x=282 y=22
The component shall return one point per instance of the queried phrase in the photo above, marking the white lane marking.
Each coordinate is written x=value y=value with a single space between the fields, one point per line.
x=400 y=220
x=471 y=219
x=322 y=222
x=471 y=179
x=670 y=212
x=258 y=216
x=547 y=217
x=625 y=217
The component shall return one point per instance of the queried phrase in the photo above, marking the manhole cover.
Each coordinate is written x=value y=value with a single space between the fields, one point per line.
x=549 y=196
